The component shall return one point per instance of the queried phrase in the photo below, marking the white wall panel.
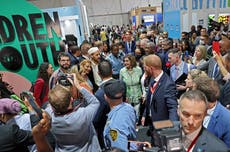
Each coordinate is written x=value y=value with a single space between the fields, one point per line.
x=109 y=12
x=43 y=4
x=114 y=12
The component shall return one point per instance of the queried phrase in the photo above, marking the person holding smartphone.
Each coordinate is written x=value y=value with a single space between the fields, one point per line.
x=14 y=137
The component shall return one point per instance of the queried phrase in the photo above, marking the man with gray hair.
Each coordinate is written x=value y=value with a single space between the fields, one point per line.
x=150 y=48
x=192 y=111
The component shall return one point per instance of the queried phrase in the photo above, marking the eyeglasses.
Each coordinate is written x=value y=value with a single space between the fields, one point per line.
x=64 y=60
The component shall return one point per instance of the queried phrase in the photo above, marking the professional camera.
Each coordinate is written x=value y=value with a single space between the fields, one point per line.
x=167 y=137
x=63 y=79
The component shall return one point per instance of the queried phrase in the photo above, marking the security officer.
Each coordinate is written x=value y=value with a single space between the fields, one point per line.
x=121 y=122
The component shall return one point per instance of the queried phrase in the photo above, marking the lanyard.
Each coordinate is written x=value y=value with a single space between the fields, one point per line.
x=193 y=142
x=153 y=88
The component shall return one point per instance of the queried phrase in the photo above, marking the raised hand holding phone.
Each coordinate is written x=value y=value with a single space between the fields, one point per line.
x=30 y=102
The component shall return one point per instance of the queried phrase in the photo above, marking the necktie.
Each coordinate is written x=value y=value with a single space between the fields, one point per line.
x=215 y=71
x=177 y=72
x=129 y=45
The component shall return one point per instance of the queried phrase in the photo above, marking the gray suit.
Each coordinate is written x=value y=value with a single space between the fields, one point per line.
x=207 y=142
x=209 y=68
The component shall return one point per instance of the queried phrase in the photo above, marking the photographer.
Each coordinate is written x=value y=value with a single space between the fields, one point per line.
x=72 y=126
x=64 y=68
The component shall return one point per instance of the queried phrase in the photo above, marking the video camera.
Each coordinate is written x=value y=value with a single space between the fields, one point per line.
x=167 y=136
x=63 y=79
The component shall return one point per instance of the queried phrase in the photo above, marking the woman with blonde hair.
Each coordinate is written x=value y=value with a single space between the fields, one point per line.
x=199 y=55
x=76 y=95
x=85 y=69
x=193 y=74
x=82 y=81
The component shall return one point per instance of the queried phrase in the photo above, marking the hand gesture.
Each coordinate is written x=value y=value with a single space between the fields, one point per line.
x=74 y=81
x=143 y=121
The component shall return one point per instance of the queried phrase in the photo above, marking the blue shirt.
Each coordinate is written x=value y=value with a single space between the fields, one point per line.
x=120 y=127
x=117 y=62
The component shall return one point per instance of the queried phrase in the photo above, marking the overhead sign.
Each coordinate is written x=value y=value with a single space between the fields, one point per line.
x=149 y=18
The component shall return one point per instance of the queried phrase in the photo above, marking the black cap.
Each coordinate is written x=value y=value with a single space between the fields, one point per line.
x=114 y=89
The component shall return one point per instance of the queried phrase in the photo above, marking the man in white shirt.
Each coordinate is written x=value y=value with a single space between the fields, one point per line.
x=95 y=59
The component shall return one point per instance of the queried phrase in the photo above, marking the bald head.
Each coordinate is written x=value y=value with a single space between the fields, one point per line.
x=153 y=60
x=224 y=45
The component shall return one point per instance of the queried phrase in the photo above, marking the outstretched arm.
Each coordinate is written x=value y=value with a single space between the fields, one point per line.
x=220 y=63
x=39 y=133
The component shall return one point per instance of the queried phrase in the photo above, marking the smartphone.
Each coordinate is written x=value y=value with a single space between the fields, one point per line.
x=30 y=98
x=216 y=47
x=135 y=146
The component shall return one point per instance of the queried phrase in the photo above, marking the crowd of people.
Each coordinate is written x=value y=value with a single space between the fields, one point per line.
x=104 y=89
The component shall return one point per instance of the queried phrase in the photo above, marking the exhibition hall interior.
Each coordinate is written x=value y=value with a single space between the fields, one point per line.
x=115 y=75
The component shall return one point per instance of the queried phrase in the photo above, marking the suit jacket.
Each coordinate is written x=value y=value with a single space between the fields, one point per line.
x=207 y=142
x=163 y=103
x=219 y=124
x=163 y=54
x=100 y=118
x=225 y=94
x=209 y=68
x=133 y=47
x=14 y=139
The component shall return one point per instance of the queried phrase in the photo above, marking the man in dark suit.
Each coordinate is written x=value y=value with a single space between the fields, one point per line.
x=213 y=71
x=75 y=55
x=225 y=91
x=163 y=54
x=192 y=111
x=217 y=119
x=85 y=46
x=130 y=45
x=105 y=72
x=161 y=101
